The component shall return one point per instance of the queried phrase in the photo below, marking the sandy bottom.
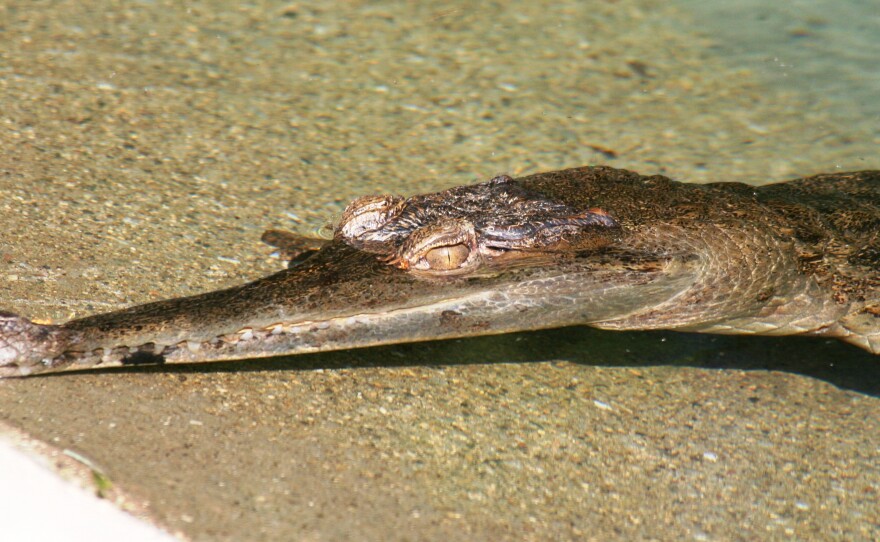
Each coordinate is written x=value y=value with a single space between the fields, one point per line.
x=145 y=146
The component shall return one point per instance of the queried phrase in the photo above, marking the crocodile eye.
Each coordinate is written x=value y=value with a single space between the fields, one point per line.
x=447 y=257
x=446 y=248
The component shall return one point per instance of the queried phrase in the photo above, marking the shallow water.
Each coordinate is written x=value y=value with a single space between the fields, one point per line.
x=822 y=49
x=146 y=145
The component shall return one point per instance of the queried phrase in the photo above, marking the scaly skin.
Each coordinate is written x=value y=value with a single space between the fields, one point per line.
x=595 y=246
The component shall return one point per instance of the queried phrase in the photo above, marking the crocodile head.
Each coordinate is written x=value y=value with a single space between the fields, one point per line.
x=471 y=230
x=490 y=258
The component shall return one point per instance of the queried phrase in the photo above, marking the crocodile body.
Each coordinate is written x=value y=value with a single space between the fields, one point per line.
x=596 y=246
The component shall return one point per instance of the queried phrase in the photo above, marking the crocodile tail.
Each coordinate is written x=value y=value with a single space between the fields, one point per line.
x=27 y=348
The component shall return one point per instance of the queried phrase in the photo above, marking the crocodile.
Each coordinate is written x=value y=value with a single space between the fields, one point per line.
x=593 y=246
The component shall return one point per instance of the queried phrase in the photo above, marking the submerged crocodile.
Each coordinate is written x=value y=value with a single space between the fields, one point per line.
x=597 y=246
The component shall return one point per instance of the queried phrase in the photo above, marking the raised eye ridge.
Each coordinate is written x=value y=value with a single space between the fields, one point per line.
x=364 y=217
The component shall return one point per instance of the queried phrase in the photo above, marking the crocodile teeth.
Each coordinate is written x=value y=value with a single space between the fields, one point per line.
x=275 y=329
x=192 y=346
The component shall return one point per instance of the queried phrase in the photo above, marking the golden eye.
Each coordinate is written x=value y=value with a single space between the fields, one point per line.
x=446 y=258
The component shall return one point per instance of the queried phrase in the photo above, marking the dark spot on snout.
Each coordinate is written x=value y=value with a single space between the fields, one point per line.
x=458 y=321
x=143 y=358
x=450 y=318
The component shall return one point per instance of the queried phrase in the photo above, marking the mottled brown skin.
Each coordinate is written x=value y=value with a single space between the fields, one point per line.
x=833 y=220
x=596 y=246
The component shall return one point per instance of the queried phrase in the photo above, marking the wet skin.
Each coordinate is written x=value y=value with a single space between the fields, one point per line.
x=597 y=246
